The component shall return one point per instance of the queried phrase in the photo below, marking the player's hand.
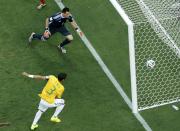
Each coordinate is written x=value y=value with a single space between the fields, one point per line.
x=46 y=34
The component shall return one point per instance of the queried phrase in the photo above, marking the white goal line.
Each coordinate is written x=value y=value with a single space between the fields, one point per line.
x=109 y=74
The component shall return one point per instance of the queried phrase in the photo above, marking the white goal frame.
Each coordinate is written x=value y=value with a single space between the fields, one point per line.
x=132 y=47
x=130 y=25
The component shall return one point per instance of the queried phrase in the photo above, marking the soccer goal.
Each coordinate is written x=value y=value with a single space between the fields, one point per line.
x=154 y=50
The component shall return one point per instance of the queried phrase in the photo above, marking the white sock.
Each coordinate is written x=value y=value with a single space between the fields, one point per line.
x=37 y=117
x=58 y=110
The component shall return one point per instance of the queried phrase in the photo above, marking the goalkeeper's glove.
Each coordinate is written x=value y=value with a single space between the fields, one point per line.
x=47 y=33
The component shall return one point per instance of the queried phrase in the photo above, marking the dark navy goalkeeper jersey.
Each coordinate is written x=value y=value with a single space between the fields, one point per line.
x=58 y=20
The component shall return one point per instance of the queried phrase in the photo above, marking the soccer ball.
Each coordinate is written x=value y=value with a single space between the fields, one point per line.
x=150 y=64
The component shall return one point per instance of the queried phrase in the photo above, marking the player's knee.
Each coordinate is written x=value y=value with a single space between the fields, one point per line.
x=70 y=37
x=62 y=101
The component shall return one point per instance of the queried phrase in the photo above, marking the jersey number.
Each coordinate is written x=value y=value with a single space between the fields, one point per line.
x=50 y=92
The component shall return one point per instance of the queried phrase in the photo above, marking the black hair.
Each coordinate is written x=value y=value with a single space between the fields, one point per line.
x=65 y=9
x=62 y=76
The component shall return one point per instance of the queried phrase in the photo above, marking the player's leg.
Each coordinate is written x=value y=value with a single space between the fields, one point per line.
x=59 y=104
x=41 y=109
x=41 y=4
x=31 y=37
x=34 y=36
x=36 y=119
x=41 y=37
x=42 y=1
x=67 y=40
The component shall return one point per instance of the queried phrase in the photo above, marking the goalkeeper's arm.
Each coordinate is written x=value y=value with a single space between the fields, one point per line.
x=47 y=23
x=75 y=26
x=35 y=76
x=47 y=26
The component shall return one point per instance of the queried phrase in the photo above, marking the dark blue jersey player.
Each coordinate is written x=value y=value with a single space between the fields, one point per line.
x=56 y=23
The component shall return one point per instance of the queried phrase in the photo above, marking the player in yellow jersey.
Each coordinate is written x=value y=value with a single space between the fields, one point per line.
x=50 y=96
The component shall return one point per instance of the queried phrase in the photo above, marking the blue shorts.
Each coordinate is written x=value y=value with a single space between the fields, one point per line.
x=63 y=30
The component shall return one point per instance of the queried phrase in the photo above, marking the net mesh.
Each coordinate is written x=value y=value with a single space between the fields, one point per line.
x=156 y=30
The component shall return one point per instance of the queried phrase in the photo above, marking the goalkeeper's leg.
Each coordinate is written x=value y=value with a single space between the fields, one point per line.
x=63 y=30
x=39 y=36
x=36 y=36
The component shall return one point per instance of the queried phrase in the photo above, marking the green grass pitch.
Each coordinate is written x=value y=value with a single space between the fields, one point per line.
x=92 y=102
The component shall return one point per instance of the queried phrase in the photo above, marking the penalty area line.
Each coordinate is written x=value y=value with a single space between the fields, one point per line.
x=109 y=74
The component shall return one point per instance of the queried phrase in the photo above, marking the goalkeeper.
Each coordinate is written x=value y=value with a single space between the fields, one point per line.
x=56 y=23
x=50 y=96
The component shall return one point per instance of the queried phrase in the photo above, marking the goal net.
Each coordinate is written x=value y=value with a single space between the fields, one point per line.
x=154 y=34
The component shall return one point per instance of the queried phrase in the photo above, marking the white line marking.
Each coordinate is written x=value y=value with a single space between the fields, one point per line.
x=109 y=74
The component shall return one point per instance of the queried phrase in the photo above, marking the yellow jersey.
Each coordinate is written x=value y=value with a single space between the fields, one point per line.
x=53 y=89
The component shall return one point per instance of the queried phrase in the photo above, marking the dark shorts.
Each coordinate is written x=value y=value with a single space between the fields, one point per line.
x=63 y=30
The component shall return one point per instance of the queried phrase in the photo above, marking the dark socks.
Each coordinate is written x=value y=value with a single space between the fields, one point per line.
x=37 y=36
x=65 y=42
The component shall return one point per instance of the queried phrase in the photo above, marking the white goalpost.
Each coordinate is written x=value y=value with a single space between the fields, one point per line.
x=154 y=50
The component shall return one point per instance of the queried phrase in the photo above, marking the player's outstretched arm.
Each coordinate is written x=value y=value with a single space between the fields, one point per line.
x=46 y=22
x=75 y=26
x=35 y=76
